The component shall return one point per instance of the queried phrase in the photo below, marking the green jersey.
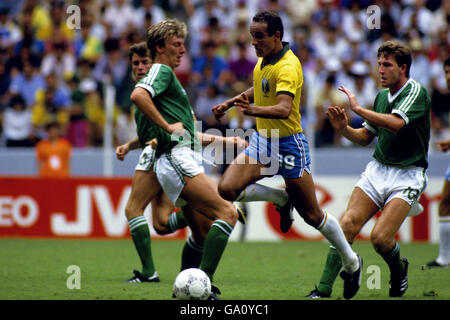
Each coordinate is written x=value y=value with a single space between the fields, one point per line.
x=409 y=146
x=172 y=102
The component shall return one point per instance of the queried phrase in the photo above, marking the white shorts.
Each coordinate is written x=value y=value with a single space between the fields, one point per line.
x=146 y=159
x=383 y=183
x=171 y=168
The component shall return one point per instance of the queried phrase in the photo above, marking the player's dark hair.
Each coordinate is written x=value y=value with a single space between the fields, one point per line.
x=273 y=21
x=400 y=51
x=140 y=49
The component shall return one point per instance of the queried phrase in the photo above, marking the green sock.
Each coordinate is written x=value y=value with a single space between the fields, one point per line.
x=191 y=256
x=329 y=274
x=176 y=221
x=142 y=241
x=215 y=243
x=392 y=258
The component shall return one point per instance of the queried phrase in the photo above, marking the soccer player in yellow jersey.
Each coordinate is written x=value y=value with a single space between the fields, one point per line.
x=279 y=145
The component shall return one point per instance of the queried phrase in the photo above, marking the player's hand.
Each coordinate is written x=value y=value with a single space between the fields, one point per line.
x=153 y=143
x=243 y=103
x=351 y=98
x=121 y=151
x=338 y=117
x=219 y=110
x=444 y=146
x=176 y=128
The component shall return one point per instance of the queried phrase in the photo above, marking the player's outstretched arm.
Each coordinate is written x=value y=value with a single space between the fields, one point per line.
x=339 y=121
x=391 y=122
x=220 y=109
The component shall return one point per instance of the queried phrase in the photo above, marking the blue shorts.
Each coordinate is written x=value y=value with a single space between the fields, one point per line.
x=447 y=174
x=285 y=156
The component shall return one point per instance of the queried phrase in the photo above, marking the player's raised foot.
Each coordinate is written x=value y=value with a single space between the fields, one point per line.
x=286 y=216
x=399 y=284
x=316 y=294
x=214 y=293
x=352 y=281
x=242 y=213
x=138 y=277
x=434 y=264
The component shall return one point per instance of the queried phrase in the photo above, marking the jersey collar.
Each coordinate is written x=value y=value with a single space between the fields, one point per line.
x=392 y=97
x=279 y=54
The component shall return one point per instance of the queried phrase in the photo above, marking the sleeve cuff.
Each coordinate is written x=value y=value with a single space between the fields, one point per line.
x=146 y=87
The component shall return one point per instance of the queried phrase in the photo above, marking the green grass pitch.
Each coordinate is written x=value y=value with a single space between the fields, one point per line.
x=34 y=269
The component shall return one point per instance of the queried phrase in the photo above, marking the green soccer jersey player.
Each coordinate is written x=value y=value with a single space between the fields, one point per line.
x=394 y=180
x=178 y=167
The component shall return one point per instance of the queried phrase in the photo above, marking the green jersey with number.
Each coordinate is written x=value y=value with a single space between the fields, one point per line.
x=409 y=146
x=172 y=102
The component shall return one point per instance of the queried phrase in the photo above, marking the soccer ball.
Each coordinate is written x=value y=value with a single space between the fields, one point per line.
x=192 y=284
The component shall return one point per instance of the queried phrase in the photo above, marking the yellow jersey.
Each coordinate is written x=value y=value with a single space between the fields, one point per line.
x=281 y=75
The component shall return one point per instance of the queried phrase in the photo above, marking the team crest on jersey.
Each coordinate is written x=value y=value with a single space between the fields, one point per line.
x=265 y=86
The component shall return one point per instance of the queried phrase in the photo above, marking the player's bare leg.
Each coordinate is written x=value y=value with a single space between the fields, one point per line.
x=382 y=238
x=202 y=195
x=144 y=188
x=238 y=184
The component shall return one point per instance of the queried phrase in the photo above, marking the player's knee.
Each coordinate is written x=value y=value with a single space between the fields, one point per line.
x=380 y=242
x=228 y=213
x=349 y=226
x=130 y=211
x=227 y=191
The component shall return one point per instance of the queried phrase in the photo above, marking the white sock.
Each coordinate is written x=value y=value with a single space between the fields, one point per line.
x=444 y=241
x=259 y=192
x=331 y=229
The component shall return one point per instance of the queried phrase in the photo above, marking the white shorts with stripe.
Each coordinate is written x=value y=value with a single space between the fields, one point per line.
x=146 y=159
x=171 y=168
x=383 y=183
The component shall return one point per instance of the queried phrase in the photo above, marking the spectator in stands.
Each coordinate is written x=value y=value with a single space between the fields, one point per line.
x=112 y=66
x=89 y=39
x=27 y=83
x=17 y=127
x=9 y=32
x=53 y=153
x=119 y=17
x=59 y=61
x=440 y=94
x=52 y=105
x=325 y=135
x=5 y=81
x=149 y=7
x=241 y=68
x=209 y=68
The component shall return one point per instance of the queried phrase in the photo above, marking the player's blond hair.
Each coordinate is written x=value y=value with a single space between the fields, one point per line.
x=159 y=33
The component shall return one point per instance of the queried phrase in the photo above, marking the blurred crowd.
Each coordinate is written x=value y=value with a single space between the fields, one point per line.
x=51 y=71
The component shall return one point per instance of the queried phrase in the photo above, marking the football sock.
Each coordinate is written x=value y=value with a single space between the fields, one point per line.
x=140 y=234
x=215 y=243
x=176 y=221
x=331 y=229
x=444 y=241
x=191 y=255
x=259 y=192
x=392 y=258
x=330 y=272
